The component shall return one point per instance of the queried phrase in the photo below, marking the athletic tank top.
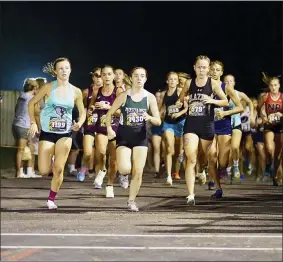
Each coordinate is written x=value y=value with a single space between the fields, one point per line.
x=274 y=106
x=132 y=112
x=171 y=108
x=91 y=120
x=197 y=108
x=226 y=121
x=100 y=126
x=56 y=116
x=245 y=121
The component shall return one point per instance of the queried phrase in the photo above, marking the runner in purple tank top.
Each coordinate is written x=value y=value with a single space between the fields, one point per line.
x=89 y=128
x=100 y=103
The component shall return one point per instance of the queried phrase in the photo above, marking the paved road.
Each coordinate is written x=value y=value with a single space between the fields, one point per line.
x=245 y=225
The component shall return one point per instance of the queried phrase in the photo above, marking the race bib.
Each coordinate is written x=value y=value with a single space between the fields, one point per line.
x=134 y=119
x=92 y=120
x=57 y=124
x=274 y=119
x=173 y=109
x=197 y=109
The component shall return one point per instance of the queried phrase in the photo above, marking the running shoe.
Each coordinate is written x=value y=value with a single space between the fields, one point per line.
x=218 y=194
x=191 y=200
x=51 y=205
x=169 y=181
x=236 y=172
x=99 y=179
x=124 y=181
x=81 y=175
x=132 y=206
x=34 y=175
x=109 y=192
x=211 y=185
x=176 y=176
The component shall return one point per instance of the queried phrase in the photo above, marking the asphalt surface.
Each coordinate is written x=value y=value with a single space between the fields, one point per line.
x=245 y=225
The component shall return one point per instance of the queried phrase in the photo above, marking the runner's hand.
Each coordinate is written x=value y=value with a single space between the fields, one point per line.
x=90 y=110
x=146 y=116
x=220 y=114
x=75 y=126
x=33 y=129
x=110 y=133
x=207 y=99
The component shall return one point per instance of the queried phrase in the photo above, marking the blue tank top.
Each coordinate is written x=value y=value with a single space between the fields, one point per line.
x=56 y=116
x=226 y=121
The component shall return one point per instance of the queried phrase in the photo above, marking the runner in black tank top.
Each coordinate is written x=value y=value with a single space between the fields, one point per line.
x=132 y=136
x=199 y=125
x=89 y=128
x=173 y=123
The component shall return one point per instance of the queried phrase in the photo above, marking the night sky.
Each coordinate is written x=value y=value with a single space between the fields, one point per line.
x=160 y=36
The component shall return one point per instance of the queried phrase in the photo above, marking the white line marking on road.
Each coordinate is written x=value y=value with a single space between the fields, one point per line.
x=143 y=248
x=147 y=235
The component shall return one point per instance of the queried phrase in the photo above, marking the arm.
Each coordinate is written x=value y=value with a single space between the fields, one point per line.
x=262 y=100
x=43 y=91
x=263 y=114
x=80 y=106
x=118 y=111
x=118 y=102
x=238 y=106
x=161 y=103
x=216 y=88
x=184 y=91
x=155 y=118
x=85 y=95
x=37 y=115
x=93 y=99
x=248 y=101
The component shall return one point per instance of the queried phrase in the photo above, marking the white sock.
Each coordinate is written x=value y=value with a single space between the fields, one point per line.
x=236 y=162
x=29 y=170
x=21 y=170
x=229 y=169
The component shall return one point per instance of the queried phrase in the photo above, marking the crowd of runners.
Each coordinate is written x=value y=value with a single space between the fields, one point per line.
x=201 y=124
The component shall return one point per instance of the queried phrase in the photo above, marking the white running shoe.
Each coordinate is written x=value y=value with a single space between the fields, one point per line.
x=34 y=175
x=169 y=181
x=124 y=181
x=109 y=192
x=191 y=200
x=99 y=178
x=51 y=205
x=132 y=206
x=23 y=175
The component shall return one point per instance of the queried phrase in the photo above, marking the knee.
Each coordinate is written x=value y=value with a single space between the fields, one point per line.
x=191 y=160
x=212 y=156
x=170 y=150
x=58 y=169
x=102 y=150
x=137 y=173
x=269 y=148
x=88 y=154
x=124 y=168
x=44 y=171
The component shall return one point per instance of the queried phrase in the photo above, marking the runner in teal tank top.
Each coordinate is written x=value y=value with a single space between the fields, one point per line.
x=56 y=116
x=56 y=123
